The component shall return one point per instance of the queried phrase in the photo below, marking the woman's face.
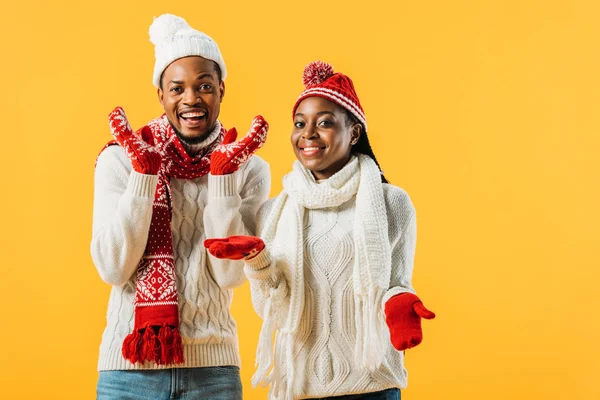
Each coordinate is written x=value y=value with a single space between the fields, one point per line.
x=323 y=136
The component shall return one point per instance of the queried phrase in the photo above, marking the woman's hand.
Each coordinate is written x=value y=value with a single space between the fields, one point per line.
x=403 y=314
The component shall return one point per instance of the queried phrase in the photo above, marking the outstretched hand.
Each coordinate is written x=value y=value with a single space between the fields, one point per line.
x=144 y=158
x=229 y=155
x=235 y=247
x=403 y=314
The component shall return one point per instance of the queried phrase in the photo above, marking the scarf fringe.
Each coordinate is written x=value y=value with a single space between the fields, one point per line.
x=279 y=391
x=145 y=345
x=275 y=377
x=370 y=346
x=372 y=264
x=150 y=345
x=132 y=346
x=290 y=365
x=162 y=344
x=264 y=350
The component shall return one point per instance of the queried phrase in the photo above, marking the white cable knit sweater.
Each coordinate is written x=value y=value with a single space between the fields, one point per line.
x=324 y=345
x=210 y=206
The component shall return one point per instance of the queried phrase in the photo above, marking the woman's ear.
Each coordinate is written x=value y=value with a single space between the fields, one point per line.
x=355 y=135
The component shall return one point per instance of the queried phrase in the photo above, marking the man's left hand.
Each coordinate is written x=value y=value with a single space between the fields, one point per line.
x=229 y=155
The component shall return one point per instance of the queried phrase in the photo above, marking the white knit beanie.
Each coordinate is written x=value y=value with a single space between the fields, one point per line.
x=173 y=39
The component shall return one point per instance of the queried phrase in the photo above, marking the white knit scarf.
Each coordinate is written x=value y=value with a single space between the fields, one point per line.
x=372 y=260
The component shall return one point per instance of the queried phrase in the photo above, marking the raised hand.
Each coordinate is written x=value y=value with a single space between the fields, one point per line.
x=144 y=158
x=235 y=247
x=229 y=155
x=403 y=314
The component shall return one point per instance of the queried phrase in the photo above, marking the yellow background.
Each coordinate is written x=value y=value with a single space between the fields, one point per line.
x=486 y=112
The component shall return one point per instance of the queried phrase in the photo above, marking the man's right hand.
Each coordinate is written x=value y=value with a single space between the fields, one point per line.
x=144 y=158
x=235 y=247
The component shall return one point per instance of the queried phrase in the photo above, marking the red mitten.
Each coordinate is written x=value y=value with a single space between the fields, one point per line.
x=235 y=247
x=229 y=155
x=403 y=314
x=144 y=158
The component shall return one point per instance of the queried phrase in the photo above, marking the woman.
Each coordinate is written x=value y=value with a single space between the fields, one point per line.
x=335 y=261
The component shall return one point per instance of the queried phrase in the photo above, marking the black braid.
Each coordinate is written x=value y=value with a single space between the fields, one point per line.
x=363 y=146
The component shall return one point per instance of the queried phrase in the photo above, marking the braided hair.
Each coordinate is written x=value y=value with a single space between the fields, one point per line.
x=363 y=146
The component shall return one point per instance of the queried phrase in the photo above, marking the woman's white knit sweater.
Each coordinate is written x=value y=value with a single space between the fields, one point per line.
x=324 y=344
x=210 y=206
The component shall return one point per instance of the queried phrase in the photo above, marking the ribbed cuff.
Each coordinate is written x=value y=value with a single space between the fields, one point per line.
x=142 y=185
x=262 y=260
x=222 y=185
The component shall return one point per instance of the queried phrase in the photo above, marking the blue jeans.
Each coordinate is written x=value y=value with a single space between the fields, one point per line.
x=218 y=383
x=388 y=394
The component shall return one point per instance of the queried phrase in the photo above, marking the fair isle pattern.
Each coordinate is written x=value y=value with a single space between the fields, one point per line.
x=155 y=284
x=338 y=98
x=204 y=290
x=177 y=163
x=230 y=154
x=155 y=336
x=123 y=202
x=119 y=123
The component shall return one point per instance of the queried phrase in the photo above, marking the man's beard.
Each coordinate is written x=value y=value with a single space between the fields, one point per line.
x=188 y=140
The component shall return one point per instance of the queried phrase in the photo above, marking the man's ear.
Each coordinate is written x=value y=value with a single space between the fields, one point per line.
x=160 y=93
x=222 y=87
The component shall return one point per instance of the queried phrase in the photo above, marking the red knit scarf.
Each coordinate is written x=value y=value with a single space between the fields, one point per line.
x=155 y=335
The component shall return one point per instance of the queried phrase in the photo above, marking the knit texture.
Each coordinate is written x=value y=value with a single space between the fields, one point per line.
x=144 y=157
x=230 y=154
x=322 y=354
x=173 y=39
x=320 y=81
x=156 y=334
x=209 y=206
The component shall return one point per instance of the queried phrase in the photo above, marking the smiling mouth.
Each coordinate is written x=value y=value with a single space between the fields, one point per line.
x=193 y=119
x=311 y=151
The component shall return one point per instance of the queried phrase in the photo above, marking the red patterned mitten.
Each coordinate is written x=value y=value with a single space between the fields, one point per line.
x=144 y=158
x=235 y=247
x=403 y=314
x=229 y=155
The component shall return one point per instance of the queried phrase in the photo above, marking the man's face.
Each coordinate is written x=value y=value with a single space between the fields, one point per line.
x=191 y=94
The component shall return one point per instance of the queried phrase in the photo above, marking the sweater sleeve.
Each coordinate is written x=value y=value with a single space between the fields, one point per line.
x=268 y=284
x=403 y=236
x=122 y=213
x=232 y=205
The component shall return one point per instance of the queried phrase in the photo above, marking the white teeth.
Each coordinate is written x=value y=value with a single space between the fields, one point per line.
x=193 y=114
x=311 y=148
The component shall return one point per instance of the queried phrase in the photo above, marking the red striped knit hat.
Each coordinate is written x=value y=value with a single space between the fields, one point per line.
x=320 y=81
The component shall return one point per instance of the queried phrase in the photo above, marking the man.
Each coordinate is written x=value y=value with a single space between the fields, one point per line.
x=158 y=194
